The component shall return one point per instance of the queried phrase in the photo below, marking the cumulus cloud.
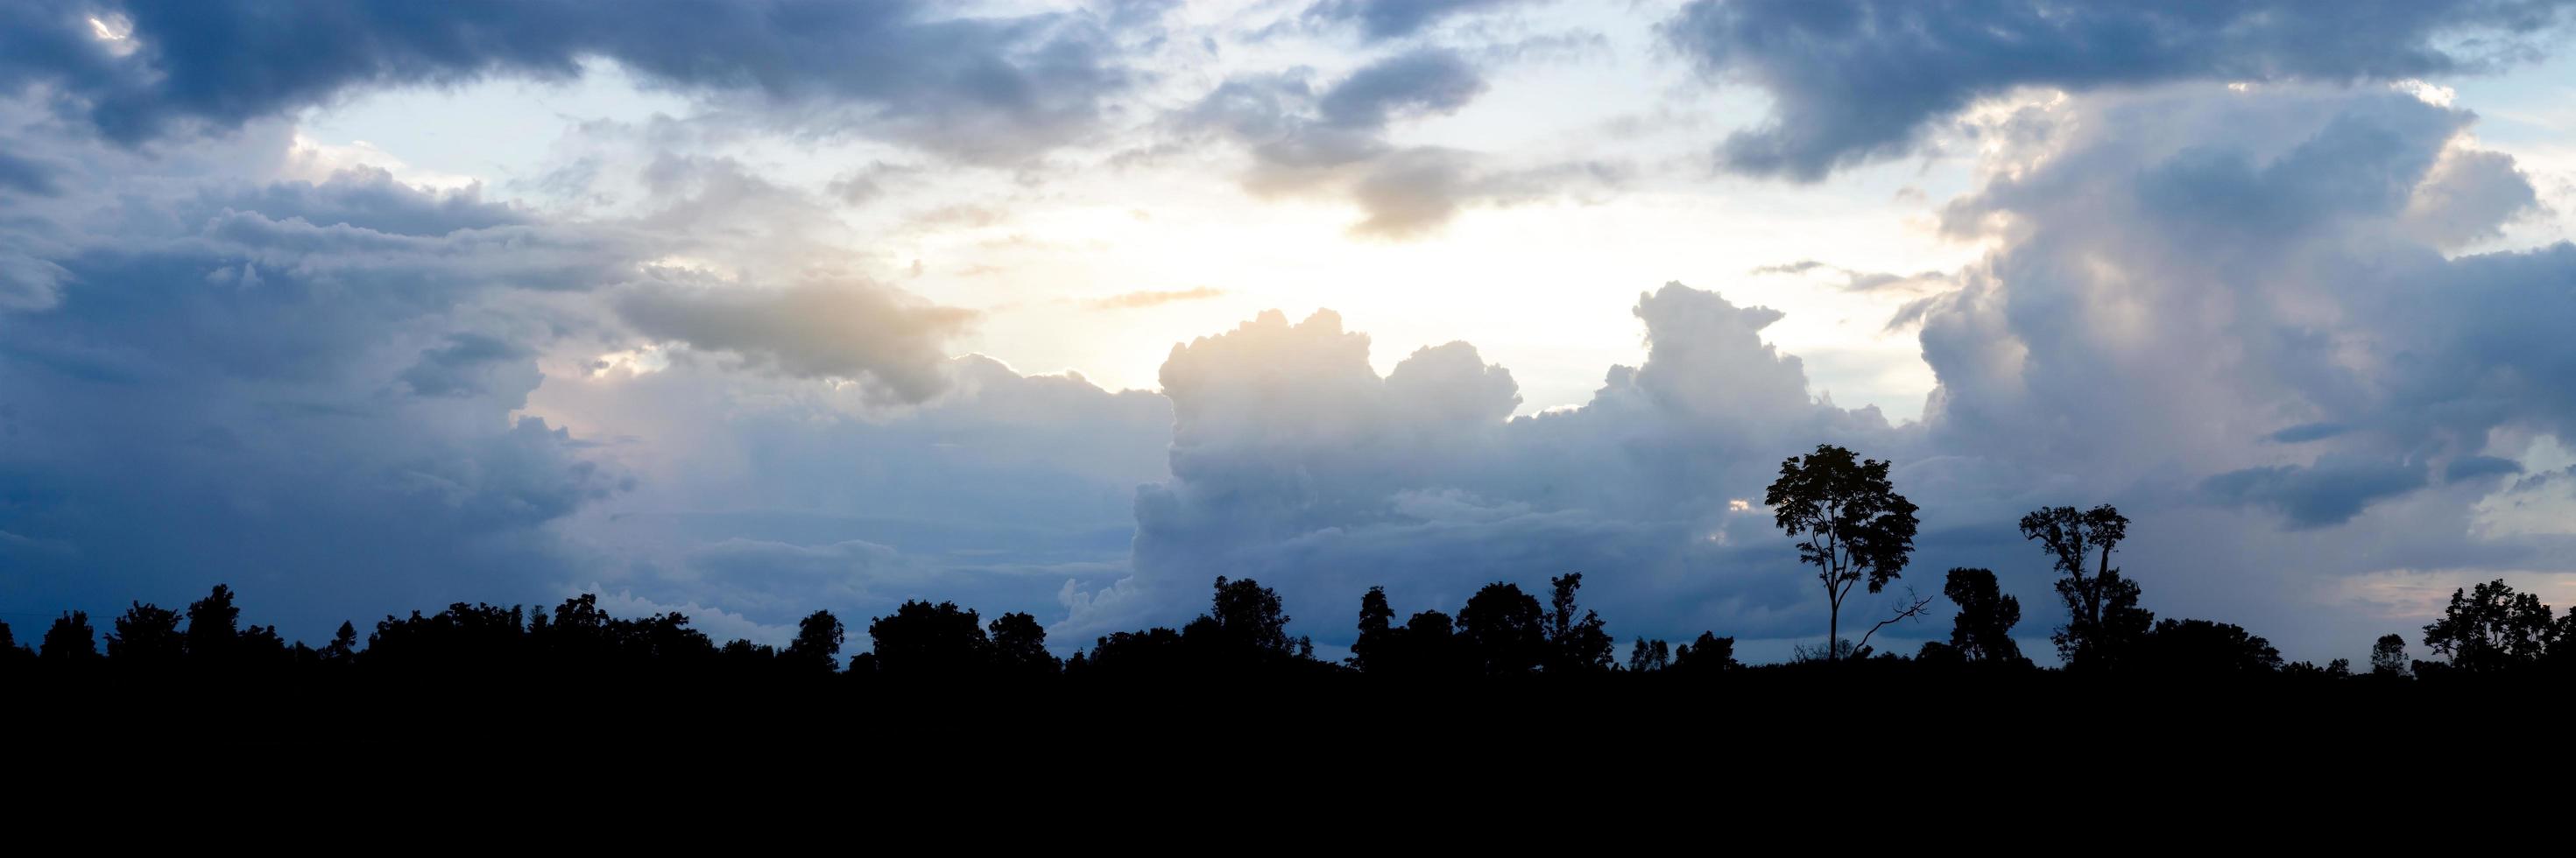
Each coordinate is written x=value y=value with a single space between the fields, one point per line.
x=1854 y=81
x=2221 y=269
x=981 y=88
x=1295 y=462
x=889 y=341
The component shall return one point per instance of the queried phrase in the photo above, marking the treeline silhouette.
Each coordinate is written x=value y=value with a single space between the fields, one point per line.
x=1501 y=631
x=1851 y=526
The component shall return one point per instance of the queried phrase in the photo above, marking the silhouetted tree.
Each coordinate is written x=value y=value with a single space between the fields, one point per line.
x=745 y=656
x=1857 y=528
x=342 y=651
x=12 y=656
x=1503 y=630
x=478 y=637
x=1247 y=616
x=2203 y=647
x=1376 y=628
x=2492 y=628
x=260 y=647
x=924 y=640
x=2388 y=656
x=1427 y=645
x=1152 y=652
x=1649 y=655
x=1708 y=654
x=2103 y=617
x=69 y=642
x=817 y=641
x=662 y=641
x=214 y=626
x=146 y=638
x=1982 y=630
x=1019 y=646
x=1575 y=646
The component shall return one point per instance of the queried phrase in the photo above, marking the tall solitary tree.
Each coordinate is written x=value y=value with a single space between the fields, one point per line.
x=1856 y=528
x=2103 y=617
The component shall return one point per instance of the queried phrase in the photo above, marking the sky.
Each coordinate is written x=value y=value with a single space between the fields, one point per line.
x=752 y=308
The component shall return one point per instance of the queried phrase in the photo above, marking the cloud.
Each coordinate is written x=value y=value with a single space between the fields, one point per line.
x=459 y=368
x=1334 y=141
x=1853 y=280
x=1151 y=298
x=1424 y=82
x=891 y=342
x=2097 y=330
x=2328 y=493
x=1388 y=19
x=1295 y=462
x=1856 y=81
x=366 y=198
x=772 y=497
x=26 y=175
x=983 y=88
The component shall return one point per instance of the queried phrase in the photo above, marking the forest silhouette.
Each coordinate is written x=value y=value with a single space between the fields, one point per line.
x=1847 y=521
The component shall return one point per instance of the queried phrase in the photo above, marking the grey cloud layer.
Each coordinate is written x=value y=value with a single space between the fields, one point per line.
x=1854 y=81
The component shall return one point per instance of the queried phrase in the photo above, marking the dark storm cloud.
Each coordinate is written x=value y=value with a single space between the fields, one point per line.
x=1387 y=19
x=981 y=88
x=2473 y=467
x=2330 y=492
x=1854 y=81
x=320 y=415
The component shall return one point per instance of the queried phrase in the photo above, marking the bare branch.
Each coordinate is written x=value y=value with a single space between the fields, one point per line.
x=1911 y=611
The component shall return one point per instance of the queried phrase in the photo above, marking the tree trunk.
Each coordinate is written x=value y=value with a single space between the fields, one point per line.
x=1834 y=633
